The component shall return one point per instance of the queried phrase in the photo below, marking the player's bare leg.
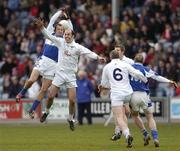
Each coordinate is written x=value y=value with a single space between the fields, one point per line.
x=153 y=128
x=45 y=85
x=52 y=93
x=138 y=121
x=34 y=76
x=117 y=132
x=118 y=111
x=72 y=107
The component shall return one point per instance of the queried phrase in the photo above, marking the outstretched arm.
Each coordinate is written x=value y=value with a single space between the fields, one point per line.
x=155 y=76
x=88 y=53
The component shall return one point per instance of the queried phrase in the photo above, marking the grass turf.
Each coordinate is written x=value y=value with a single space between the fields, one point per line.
x=58 y=137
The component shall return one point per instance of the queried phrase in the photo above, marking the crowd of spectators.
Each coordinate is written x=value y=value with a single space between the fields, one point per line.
x=148 y=26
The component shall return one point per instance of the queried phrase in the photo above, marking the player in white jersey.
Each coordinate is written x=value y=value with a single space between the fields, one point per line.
x=69 y=53
x=117 y=131
x=141 y=100
x=46 y=64
x=116 y=77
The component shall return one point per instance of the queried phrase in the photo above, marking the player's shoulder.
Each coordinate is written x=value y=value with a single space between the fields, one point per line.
x=124 y=63
x=108 y=65
x=148 y=69
x=77 y=45
x=128 y=60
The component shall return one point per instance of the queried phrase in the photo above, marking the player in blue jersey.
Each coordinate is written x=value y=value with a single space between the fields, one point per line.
x=46 y=65
x=141 y=100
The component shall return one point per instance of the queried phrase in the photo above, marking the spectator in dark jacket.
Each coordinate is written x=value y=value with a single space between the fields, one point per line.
x=84 y=91
x=14 y=87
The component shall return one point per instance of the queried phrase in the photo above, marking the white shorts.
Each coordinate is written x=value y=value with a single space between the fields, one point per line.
x=46 y=67
x=119 y=100
x=66 y=78
x=141 y=100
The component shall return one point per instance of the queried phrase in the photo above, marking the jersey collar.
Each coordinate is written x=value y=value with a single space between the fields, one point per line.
x=138 y=63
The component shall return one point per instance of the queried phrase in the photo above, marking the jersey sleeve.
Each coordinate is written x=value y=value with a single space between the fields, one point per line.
x=151 y=74
x=130 y=61
x=88 y=53
x=56 y=40
x=105 y=81
x=70 y=24
x=50 y=26
x=136 y=73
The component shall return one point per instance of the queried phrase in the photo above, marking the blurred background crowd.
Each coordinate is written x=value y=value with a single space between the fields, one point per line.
x=148 y=26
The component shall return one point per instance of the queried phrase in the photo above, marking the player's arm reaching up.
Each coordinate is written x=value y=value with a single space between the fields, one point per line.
x=40 y=24
x=62 y=14
x=67 y=17
x=53 y=19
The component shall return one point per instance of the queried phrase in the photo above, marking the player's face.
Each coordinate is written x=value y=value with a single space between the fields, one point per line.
x=68 y=35
x=121 y=53
x=59 y=30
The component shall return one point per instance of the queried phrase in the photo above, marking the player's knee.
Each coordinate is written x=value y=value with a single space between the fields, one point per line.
x=29 y=82
x=50 y=96
x=72 y=101
x=43 y=90
x=134 y=114
x=149 y=116
x=128 y=113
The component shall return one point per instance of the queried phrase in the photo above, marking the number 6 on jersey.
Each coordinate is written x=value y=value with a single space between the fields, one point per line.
x=117 y=74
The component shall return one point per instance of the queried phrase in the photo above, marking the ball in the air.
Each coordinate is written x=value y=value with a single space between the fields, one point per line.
x=65 y=24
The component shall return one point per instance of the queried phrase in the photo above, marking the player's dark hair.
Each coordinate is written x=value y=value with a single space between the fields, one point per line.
x=121 y=46
x=55 y=26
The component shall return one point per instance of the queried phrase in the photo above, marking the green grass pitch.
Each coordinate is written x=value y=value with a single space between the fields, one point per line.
x=58 y=137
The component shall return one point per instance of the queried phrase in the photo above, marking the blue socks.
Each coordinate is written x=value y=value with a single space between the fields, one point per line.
x=23 y=91
x=145 y=132
x=35 y=105
x=154 y=134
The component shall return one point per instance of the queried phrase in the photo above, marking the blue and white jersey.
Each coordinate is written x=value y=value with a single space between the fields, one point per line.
x=49 y=48
x=138 y=85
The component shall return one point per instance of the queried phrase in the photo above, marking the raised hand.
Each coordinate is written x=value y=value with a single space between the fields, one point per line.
x=65 y=13
x=39 y=22
x=101 y=59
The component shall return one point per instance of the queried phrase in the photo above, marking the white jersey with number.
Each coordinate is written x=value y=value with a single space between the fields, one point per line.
x=116 y=73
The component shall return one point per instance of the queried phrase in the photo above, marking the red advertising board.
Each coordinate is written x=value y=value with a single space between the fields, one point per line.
x=9 y=109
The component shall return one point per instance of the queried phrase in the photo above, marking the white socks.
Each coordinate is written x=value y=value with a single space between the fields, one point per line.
x=71 y=116
x=126 y=133
x=117 y=130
